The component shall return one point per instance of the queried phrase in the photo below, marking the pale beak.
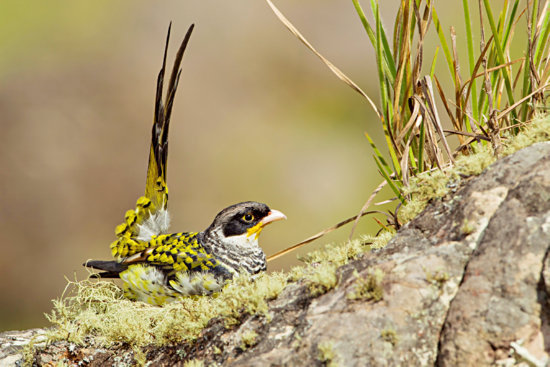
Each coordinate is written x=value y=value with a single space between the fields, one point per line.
x=272 y=216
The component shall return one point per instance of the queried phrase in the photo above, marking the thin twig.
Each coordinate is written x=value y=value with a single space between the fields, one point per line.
x=366 y=205
x=316 y=236
x=507 y=110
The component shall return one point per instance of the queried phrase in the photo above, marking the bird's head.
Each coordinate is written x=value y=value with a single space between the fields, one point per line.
x=236 y=229
x=245 y=219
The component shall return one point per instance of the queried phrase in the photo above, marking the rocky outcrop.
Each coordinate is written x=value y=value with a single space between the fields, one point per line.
x=466 y=283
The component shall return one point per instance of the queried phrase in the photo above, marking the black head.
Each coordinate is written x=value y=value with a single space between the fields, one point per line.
x=247 y=217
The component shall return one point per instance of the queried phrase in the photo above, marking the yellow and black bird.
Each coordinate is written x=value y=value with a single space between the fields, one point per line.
x=157 y=267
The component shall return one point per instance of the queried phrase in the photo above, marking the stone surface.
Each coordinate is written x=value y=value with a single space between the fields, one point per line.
x=466 y=283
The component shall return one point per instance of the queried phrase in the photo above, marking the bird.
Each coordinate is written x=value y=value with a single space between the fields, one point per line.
x=158 y=267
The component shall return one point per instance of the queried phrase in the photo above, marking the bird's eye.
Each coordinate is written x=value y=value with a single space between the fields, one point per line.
x=248 y=217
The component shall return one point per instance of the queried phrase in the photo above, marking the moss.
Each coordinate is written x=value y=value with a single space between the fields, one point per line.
x=422 y=188
x=326 y=353
x=28 y=353
x=297 y=341
x=321 y=265
x=140 y=357
x=194 y=363
x=435 y=184
x=537 y=131
x=380 y=241
x=181 y=353
x=339 y=254
x=98 y=309
x=390 y=336
x=439 y=278
x=248 y=339
x=474 y=164
x=322 y=279
x=369 y=288
x=467 y=227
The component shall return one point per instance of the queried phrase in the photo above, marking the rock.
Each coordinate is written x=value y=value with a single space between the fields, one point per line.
x=12 y=344
x=466 y=283
x=503 y=296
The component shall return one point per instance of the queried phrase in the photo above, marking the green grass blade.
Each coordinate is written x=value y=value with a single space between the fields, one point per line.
x=384 y=95
x=434 y=61
x=388 y=57
x=364 y=21
x=542 y=42
x=500 y=54
x=391 y=183
x=510 y=23
x=471 y=61
x=526 y=85
x=377 y=152
x=388 y=62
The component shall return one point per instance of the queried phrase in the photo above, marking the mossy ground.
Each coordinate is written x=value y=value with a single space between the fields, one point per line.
x=97 y=312
x=98 y=309
x=435 y=184
x=326 y=353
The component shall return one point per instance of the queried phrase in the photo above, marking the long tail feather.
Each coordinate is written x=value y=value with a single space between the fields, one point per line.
x=151 y=215
x=158 y=155
x=108 y=266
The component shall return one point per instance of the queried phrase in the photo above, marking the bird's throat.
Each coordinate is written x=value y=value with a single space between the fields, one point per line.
x=254 y=231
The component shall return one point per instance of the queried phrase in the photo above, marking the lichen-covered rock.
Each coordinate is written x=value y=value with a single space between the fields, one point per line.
x=503 y=298
x=466 y=282
x=462 y=284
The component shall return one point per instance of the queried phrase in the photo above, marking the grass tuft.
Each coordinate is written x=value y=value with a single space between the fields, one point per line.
x=435 y=184
x=483 y=105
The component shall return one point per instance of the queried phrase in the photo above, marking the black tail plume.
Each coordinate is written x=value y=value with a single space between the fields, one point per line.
x=163 y=110
x=111 y=268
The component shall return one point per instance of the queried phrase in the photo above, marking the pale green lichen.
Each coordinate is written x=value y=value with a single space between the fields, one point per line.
x=467 y=227
x=422 y=188
x=28 y=353
x=194 y=363
x=326 y=353
x=535 y=132
x=368 y=288
x=322 y=279
x=181 y=353
x=297 y=341
x=378 y=242
x=140 y=357
x=437 y=278
x=248 y=339
x=98 y=308
x=390 y=336
x=321 y=265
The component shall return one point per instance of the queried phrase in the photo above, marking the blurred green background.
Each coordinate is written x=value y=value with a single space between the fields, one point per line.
x=257 y=117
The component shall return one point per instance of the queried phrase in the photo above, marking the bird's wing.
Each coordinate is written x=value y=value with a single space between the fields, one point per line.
x=177 y=252
x=151 y=218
